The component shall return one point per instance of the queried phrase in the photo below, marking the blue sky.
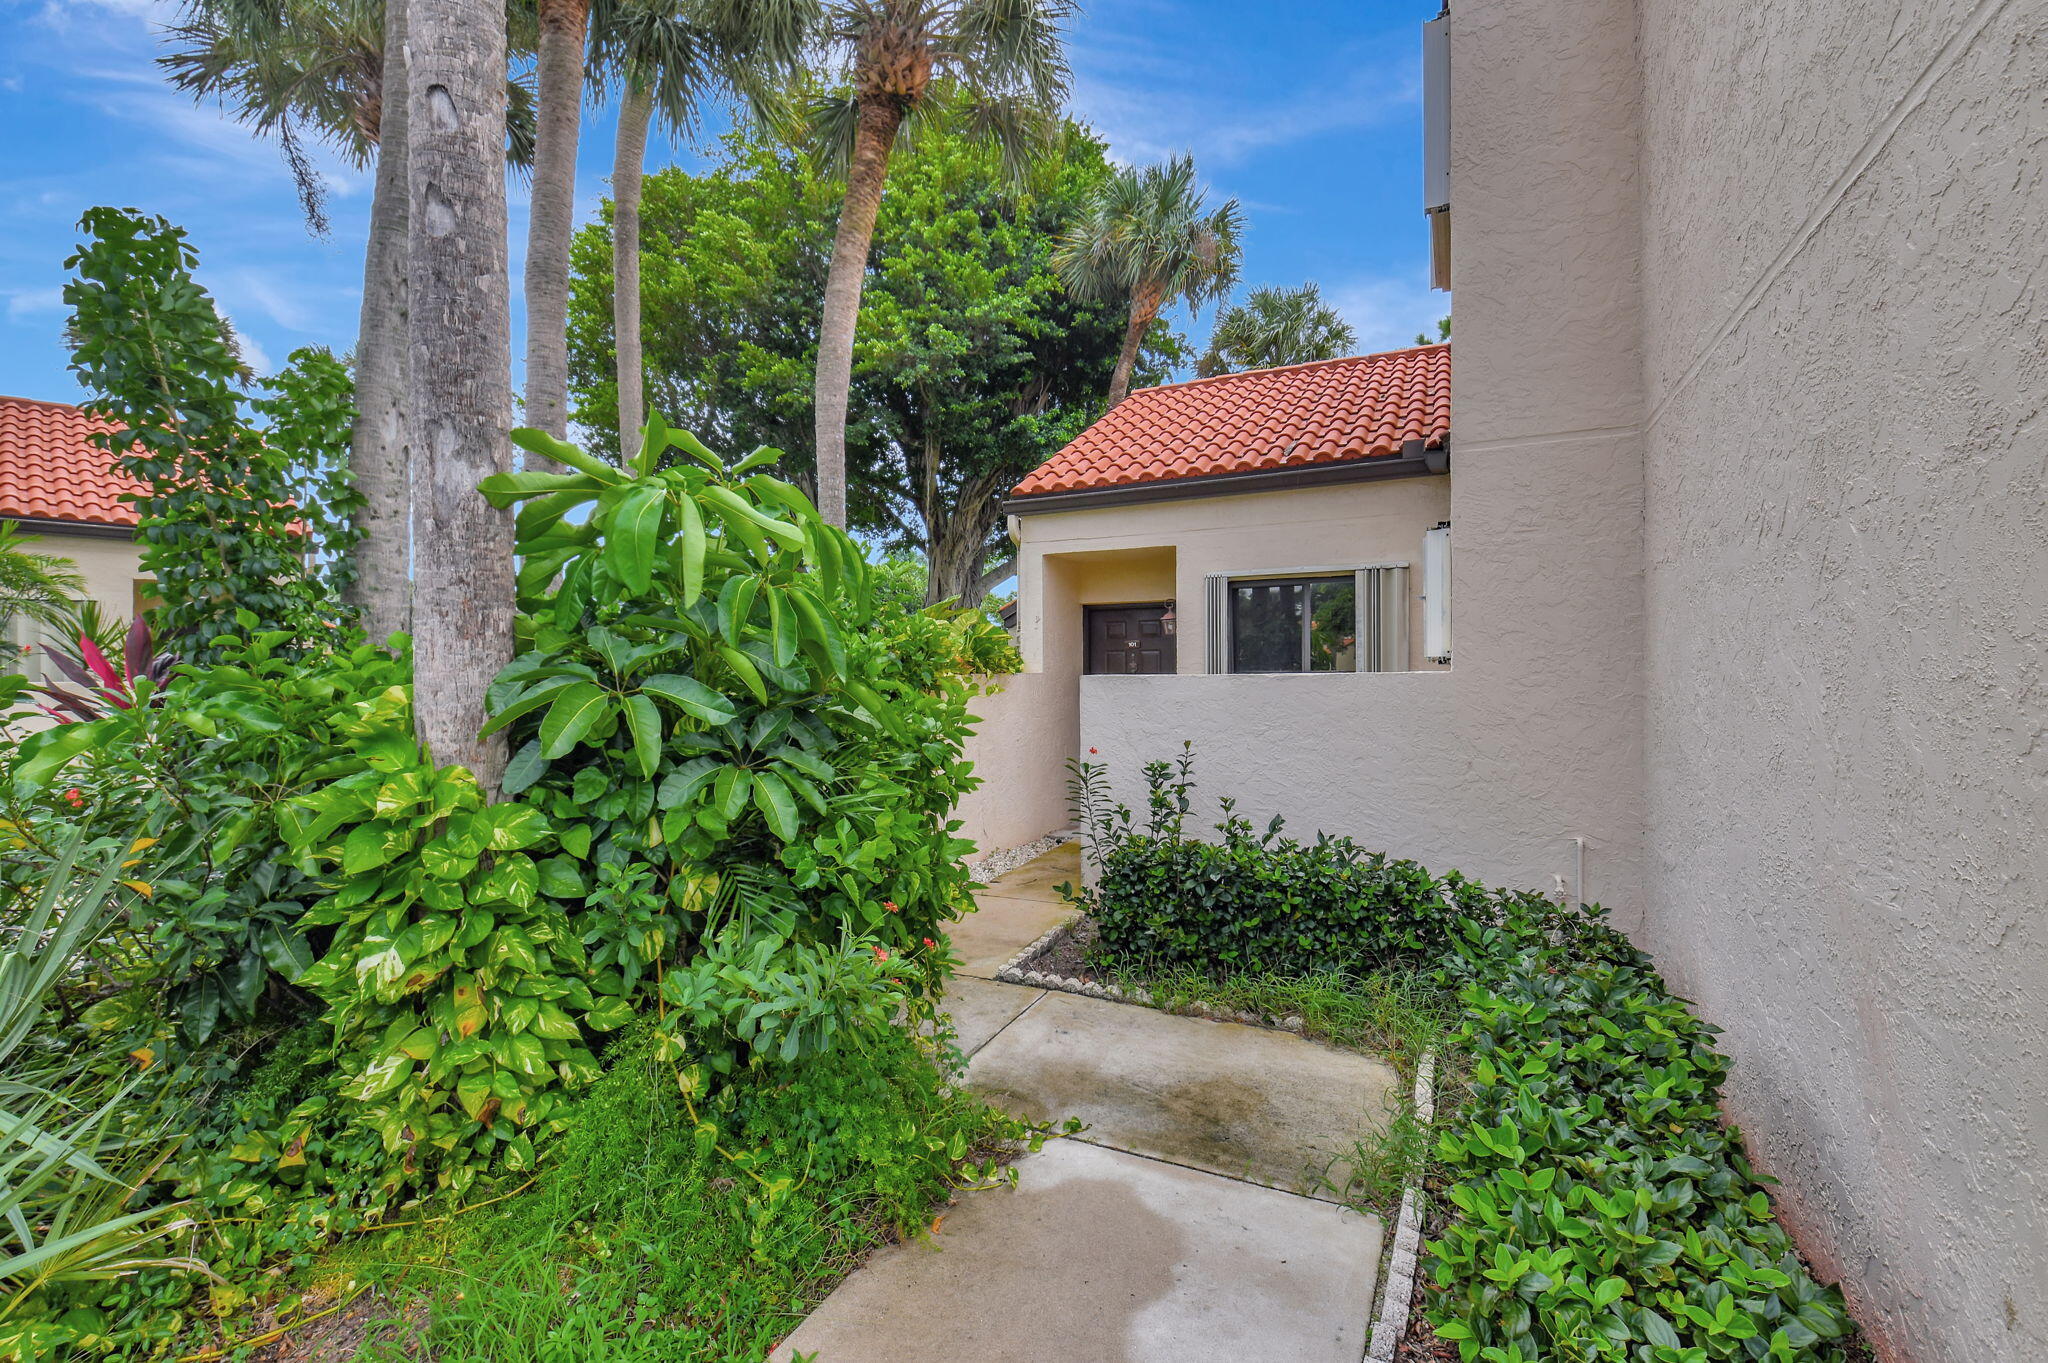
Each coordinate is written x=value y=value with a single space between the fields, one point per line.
x=1308 y=114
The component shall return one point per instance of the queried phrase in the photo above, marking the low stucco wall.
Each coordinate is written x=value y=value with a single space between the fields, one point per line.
x=1380 y=757
x=1020 y=748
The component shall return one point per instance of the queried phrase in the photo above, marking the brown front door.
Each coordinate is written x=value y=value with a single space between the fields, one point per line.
x=1128 y=640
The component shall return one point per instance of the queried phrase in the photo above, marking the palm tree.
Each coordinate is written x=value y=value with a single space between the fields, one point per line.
x=1150 y=239
x=665 y=60
x=35 y=587
x=1274 y=327
x=459 y=396
x=564 y=41
x=291 y=67
x=998 y=65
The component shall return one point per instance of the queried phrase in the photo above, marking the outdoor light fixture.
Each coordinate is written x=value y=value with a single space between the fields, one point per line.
x=1166 y=620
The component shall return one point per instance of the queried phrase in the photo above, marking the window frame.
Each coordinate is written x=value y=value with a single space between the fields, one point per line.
x=1380 y=607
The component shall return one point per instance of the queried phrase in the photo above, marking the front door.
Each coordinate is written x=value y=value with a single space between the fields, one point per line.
x=1128 y=640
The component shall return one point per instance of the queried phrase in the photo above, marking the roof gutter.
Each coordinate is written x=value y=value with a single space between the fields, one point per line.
x=1414 y=461
x=47 y=525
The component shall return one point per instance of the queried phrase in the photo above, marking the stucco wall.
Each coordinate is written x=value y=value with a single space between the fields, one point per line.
x=1847 y=602
x=1028 y=731
x=1156 y=550
x=111 y=568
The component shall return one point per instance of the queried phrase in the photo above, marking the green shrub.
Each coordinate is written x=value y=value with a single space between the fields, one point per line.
x=727 y=808
x=203 y=767
x=1603 y=1211
x=1249 y=903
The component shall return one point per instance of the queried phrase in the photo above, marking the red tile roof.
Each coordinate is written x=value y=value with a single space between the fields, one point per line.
x=1329 y=412
x=49 y=471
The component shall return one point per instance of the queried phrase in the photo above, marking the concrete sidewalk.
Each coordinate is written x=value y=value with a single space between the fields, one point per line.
x=1170 y=1229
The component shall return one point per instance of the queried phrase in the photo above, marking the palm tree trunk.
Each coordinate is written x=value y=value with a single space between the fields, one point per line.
x=875 y=134
x=628 y=163
x=459 y=384
x=378 y=456
x=1144 y=310
x=559 y=114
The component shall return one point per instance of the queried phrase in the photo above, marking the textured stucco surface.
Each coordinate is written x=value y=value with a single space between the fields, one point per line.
x=1847 y=552
x=1028 y=729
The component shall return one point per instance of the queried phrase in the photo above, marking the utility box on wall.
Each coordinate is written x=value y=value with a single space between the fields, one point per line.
x=1436 y=593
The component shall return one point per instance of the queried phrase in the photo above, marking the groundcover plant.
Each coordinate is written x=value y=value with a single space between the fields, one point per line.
x=1600 y=1209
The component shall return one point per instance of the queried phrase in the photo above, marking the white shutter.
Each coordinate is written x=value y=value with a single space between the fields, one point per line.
x=1216 y=622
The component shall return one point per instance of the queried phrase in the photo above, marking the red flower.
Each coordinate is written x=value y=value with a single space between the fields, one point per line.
x=1091 y=752
x=890 y=905
x=75 y=796
x=929 y=942
x=881 y=955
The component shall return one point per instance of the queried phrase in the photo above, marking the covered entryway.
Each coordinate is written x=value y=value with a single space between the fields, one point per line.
x=1128 y=640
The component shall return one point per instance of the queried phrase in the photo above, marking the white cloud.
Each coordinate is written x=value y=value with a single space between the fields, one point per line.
x=252 y=352
x=1387 y=312
x=1154 y=87
x=22 y=303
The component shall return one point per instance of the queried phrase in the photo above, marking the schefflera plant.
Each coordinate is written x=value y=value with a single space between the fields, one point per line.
x=751 y=773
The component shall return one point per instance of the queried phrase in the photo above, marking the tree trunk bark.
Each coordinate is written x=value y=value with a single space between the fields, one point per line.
x=459 y=385
x=628 y=163
x=378 y=456
x=956 y=543
x=878 y=121
x=1144 y=309
x=559 y=104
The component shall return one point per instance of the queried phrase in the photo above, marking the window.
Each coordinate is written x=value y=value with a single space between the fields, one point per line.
x=1313 y=620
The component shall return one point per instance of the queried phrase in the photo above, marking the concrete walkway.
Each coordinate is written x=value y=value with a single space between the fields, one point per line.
x=1174 y=1228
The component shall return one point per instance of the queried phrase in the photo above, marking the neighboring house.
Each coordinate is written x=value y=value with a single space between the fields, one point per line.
x=62 y=490
x=1264 y=522
x=1284 y=533
x=1751 y=584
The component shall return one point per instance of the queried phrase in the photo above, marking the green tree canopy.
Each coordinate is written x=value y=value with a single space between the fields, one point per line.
x=1275 y=327
x=972 y=362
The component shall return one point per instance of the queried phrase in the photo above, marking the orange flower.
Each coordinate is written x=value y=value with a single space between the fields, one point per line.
x=881 y=955
x=75 y=796
x=1092 y=752
x=929 y=942
x=890 y=905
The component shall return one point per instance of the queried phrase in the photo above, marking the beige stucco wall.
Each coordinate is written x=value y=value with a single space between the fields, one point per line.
x=1847 y=607
x=111 y=568
x=1782 y=259
x=1029 y=727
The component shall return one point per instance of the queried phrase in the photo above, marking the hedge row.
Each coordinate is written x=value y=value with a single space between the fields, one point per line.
x=1253 y=902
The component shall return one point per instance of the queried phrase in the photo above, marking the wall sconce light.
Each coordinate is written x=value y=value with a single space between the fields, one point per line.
x=1166 y=620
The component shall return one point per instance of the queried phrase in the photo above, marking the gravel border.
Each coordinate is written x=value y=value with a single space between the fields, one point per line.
x=1404 y=1264
x=991 y=865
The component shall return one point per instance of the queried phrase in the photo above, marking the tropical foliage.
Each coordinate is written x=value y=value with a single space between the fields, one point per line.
x=1275 y=327
x=236 y=518
x=972 y=364
x=1149 y=240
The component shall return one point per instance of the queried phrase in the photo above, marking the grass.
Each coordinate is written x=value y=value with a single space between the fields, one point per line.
x=1395 y=1014
x=644 y=1242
